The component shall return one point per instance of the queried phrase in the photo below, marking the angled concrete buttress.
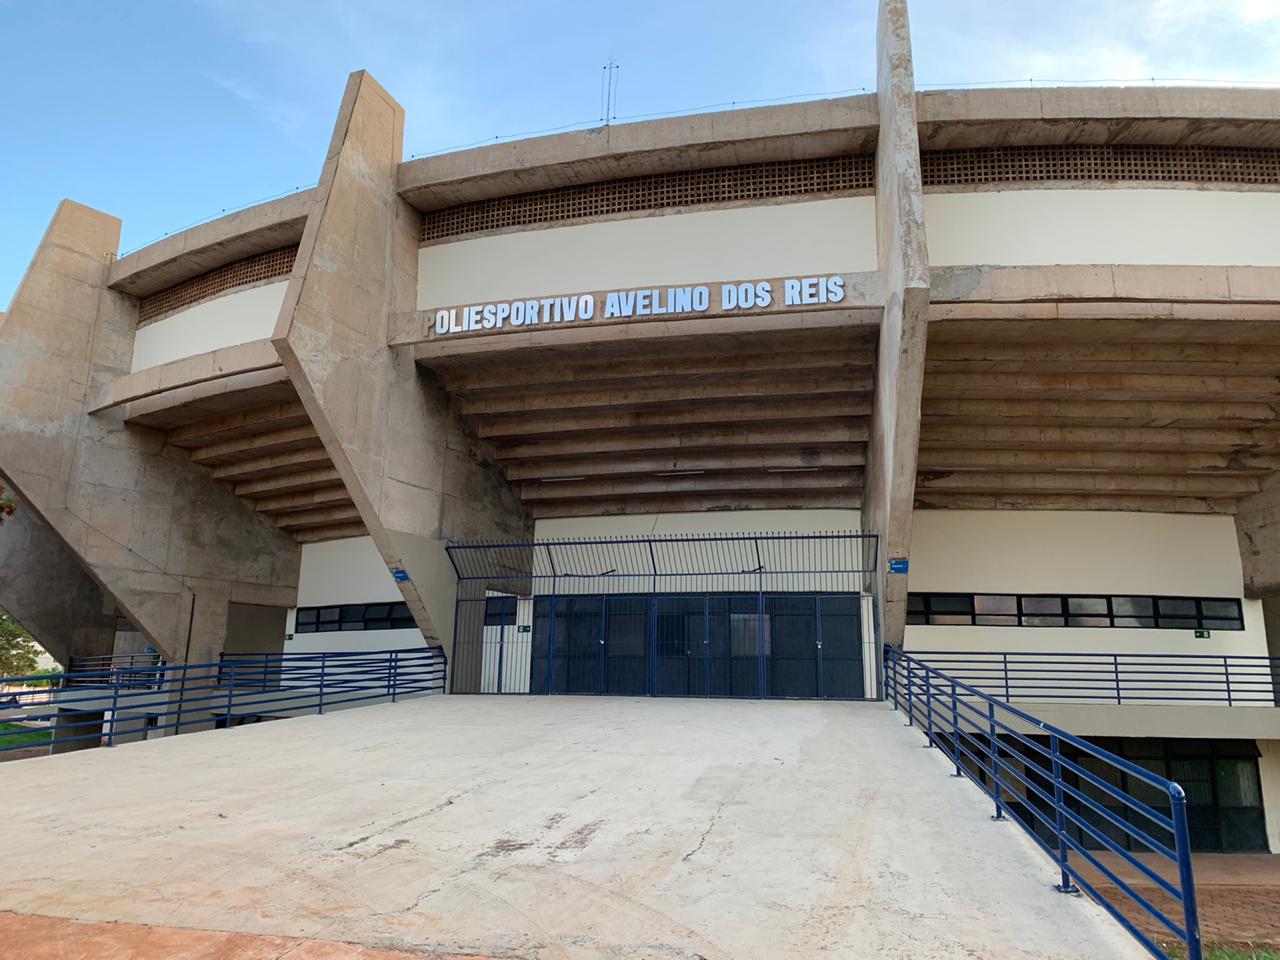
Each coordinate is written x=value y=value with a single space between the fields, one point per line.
x=904 y=265
x=416 y=474
x=169 y=547
x=48 y=593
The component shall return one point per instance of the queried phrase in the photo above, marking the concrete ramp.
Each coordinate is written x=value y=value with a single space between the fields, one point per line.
x=548 y=828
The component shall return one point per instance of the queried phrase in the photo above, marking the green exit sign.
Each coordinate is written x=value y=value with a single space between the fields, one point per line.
x=1202 y=634
x=524 y=628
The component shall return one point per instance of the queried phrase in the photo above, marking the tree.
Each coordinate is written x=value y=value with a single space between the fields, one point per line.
x=7 y=505
x=18 y=652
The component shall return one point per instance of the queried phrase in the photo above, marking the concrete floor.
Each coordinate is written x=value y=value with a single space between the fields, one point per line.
x=547 y=828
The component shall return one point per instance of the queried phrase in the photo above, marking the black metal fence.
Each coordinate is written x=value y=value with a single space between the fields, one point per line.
x=745 y=615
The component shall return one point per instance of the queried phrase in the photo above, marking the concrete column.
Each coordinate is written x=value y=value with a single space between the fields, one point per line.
x=49 y=594
x=417 y=475
x=904 y=266
x=150 y=529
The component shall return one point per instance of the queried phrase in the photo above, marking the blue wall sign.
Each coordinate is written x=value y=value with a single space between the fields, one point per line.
x=899 y=565
x=401 y=575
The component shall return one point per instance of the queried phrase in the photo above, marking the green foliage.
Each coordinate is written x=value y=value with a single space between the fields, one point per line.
x=20 y=735
x=7 y=505
x=47 y=678
x=18 y=652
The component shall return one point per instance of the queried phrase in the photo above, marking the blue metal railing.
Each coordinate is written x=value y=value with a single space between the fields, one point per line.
x=118 y=704
x=1059 y=789
x=1123 y=678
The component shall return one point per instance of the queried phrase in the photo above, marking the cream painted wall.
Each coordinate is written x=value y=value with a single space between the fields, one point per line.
x=344 y=571
x=1038 y=227
x=1269 y=773
x=741 y=243
x=1014 y=551
x=226 y=321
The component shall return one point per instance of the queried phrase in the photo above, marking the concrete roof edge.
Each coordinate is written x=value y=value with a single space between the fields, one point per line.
x=189 y=253
x=1206 y=116
x=812 y=128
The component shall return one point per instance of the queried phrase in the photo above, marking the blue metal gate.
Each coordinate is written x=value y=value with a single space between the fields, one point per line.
x=766 y=615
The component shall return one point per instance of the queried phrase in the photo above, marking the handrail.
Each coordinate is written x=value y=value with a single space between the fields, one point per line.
x=104 y=707
x=1049 y=789
x=1122 y=678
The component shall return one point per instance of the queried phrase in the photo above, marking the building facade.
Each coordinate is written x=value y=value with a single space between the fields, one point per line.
x=706 y=406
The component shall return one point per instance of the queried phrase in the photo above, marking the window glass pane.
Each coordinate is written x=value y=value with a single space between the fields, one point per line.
x=1087 y=605
x=1135 y=622
x=377 y=624
x=1041 y=604
x=304 y=628
x=352 y=612
x=353 y=625
x=916 y=618
x=995 y=604
x=1088 y=621
x=1132 y=606
x=1175 y=607
x=400 y=610
x=1175 y=623
x=329 y=614
x=1223 y=625
x=915 y=602
x=377 y=611
x=1226 y=609
x=1043 y=622
x=1238 y=784
x=307 y=614
x=943 y=604
x=950 y=618
x=989 y=621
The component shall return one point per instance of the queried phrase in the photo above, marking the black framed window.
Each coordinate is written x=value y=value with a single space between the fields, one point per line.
x=353 y=616
x=1075 y=610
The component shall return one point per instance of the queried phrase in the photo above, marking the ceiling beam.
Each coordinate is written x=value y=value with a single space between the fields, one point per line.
x=1083 y=412
x=624 y=372
x=1005 y=483
x=257 y=420
x=698 y=503
x=259 y=444
x=302 y=500
x=1043 y=356
x=1100 y=386
x=1103 y=461
x=318 y=517
x=336 y=531
x=252 y=468
x=701 y=483
x=709 y=414
x=694 y=391
x=1168 y=439
x=619 y=465
x=287 y=482
x=830 y=434
x=1053 y=501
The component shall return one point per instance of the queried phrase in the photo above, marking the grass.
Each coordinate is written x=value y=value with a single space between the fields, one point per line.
x=1212 y=952
x=18 y=735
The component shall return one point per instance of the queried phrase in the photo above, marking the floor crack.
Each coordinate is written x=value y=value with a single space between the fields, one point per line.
x=705 y=833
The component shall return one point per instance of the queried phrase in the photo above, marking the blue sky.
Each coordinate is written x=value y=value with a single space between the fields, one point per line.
x=164 y=112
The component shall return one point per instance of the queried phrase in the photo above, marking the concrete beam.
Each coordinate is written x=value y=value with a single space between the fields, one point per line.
x=630 y=464
x=1258 y=533
x=1069 y=412
x=1110 y=483
x=697 y=503
x=276 y=416
x=1225 y=463
x=169 y=547
x=417 y=477
x=645 y=371
x=1028 y=500
x=992 y=385
x=704 y=439
x=569 y=403
x=1160 y=439
x=713 y=413
x=187 y=372
x=252 y=468
x=703 y=483
x=904 y=266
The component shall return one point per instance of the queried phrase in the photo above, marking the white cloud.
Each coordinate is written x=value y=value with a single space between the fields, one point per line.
x=286 y=117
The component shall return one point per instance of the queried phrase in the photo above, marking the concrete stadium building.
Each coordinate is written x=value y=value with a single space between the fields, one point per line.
x=716 y=405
